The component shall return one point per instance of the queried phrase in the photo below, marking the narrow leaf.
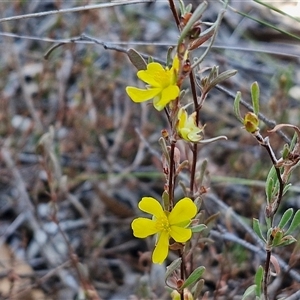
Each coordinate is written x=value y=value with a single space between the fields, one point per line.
x=194 y=18
x=277 y=240
x=287 y=240
x=172 y=267
x=285 y=218
x=136 y=59
x=255 y=97
x=295 y=223
x=221 y=77
x=213 y=73
x=286 y=188
x=271 y=184
x=264 y=23
x=198 y=228
x=257 y=229
x=198 y=288
x=285 y=151
x=236 y=106
x=202 y=172
x=166 y=200
x=249 y=291
x=269 y=189
x=258 y=280
x=277 y=10
x=195 y=276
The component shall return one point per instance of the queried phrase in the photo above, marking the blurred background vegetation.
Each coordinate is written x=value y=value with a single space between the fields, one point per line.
x=77 y=155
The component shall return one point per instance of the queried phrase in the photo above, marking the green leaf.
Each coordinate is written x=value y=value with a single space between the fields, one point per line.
x=236 y=107
x=198 y=202
x=287 y=240
x=198 y=228
x=181 y=7
x=258 y=280
x=194 y=18
x=170 y=56
x=166 y=200
x=277 y=240
x=173 y=267
x=293 y=142
x=221 y=77
x=285 y=218
x=255 y=97
x=136 y=59
x=285 y=151
x=295 y=222
x=213 y=74
x=195 y=276
x=196 y=290
x=203 y=169
x=287 y=187
x=189 y=8
x=271 y=185
x=249 y=291
x=257 y=229
x=269 y=232
x=269 y=189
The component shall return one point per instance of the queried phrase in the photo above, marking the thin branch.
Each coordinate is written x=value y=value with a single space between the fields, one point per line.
x=267 y=48
x=266 y=274
x=227 y=236
x=195 y=145
x=270 y=123
x=74 y=9
x=171 y=176
x=174 y=12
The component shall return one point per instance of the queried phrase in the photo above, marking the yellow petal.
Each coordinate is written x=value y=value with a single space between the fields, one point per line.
x=193 y=136
x=180 y=234
x=182 y=117
x=151 y=206
x=168 y=94
x=151 y=75
x=184 y=210
x=161 y=249
x=143 y=227
x=175 y=69
x=141 y=95
x=184 y=133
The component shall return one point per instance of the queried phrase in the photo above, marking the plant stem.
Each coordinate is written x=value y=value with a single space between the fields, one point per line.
x=271 y=209
x=195 y=146
x=182 y=273
x=171 y=176
x=266 y=274
x=174 y=12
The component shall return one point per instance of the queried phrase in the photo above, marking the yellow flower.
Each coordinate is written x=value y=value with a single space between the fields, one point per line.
x=161 y=85
x=165 y=224
x=186 y=295
x=187 y=128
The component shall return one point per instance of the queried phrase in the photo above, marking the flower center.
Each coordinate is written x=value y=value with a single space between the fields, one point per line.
x=163 y=77
x=162 y=224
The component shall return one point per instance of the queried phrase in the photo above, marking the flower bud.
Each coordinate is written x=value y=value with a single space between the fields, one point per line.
x=195 y=32
x=251 y=122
